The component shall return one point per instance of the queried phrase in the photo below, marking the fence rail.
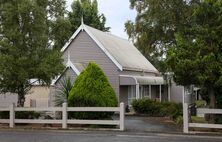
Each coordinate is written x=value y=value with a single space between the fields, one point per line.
x=203 y=111
x=203 y=125
x=209 y=111
x=64 y=121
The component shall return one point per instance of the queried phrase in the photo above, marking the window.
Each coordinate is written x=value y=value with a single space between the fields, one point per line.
x=131 y=94
x=144 y=91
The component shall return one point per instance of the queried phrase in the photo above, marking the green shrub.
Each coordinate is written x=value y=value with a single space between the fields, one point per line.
x=196 y=119
x=154 y=108
x=92 y=89
x=201 y=103
x=218 y=119
x=179 y=120
x=27 y=115
x=21 y=115
x=146 y=106
x=171 y=109
x=4 y=115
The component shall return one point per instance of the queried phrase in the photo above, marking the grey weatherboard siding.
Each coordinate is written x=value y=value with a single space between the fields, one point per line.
x=83 y=49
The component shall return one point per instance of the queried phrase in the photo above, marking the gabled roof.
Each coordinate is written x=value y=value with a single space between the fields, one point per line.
x=123 y=53
x=69 y=64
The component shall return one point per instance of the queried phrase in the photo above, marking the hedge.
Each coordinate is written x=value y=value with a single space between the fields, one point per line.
x=157 y=109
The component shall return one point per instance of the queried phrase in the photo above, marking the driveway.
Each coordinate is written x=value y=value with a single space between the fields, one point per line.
x=151 y=124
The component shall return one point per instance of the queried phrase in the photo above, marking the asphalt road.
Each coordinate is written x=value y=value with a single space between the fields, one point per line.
x=63 y=136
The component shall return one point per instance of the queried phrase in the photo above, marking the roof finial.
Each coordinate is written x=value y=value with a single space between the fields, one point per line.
x=82 y=23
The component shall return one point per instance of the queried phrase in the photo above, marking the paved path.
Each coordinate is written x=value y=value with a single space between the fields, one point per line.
x=150 y=124
x=55 y=136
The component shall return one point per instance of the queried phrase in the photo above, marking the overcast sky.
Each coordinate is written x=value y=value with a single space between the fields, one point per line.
x=117 y=12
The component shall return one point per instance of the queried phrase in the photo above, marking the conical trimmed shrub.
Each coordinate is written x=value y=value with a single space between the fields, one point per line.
x=92 y=89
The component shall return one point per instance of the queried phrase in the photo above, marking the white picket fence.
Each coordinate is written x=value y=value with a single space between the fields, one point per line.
x=202 y=111
x=64 y=121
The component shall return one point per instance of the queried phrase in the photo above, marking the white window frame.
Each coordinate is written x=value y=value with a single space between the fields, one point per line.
x=131 y=94
x=144 y=91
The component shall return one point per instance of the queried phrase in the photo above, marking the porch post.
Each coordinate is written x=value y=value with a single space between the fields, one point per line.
x=160 y=94
x=150 y=91
x=137 y=91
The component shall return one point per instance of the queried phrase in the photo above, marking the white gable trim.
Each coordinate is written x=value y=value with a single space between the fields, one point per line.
x=104 y=49
x=73 y=67
x=71 y=38
x=69 y=64
x=82 y=27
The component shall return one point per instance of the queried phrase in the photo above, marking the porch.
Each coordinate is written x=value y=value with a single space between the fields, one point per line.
x=137 y=87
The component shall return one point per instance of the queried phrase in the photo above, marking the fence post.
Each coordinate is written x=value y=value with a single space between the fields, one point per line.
x=64 y=116
x=11 y=115
x=185 y=118
x=122 y=116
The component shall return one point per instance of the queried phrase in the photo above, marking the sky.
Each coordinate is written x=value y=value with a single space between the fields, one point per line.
x=117 y=12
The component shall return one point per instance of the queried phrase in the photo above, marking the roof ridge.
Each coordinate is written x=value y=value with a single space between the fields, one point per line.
x=108 y=33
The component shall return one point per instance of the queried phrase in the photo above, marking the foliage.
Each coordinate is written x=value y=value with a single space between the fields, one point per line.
x=64 y=88
x=200 y=103
x=171 y=109
x=196 y=119
x=88 y=10
x=218 y=92
x=27 y=115
x=58 y=26
x=146 y=106
x=154 y=108
x=21 y=115
x=92 y=89
x=61 y=31
x=197 y=57
x=4 y=115
x=25 y=50
x=179 y=120
x=156 y=23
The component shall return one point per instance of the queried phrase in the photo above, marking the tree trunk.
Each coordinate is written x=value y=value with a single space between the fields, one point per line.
x=21 y=97
x=212 y=104
x=21 y=100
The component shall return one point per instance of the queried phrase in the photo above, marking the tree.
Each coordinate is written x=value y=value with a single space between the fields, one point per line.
x=25 y=50
x=156 y=23
x=88 y=10
x=92 y=89
x=59 y=26
x=61 y=31
x=197 y=57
